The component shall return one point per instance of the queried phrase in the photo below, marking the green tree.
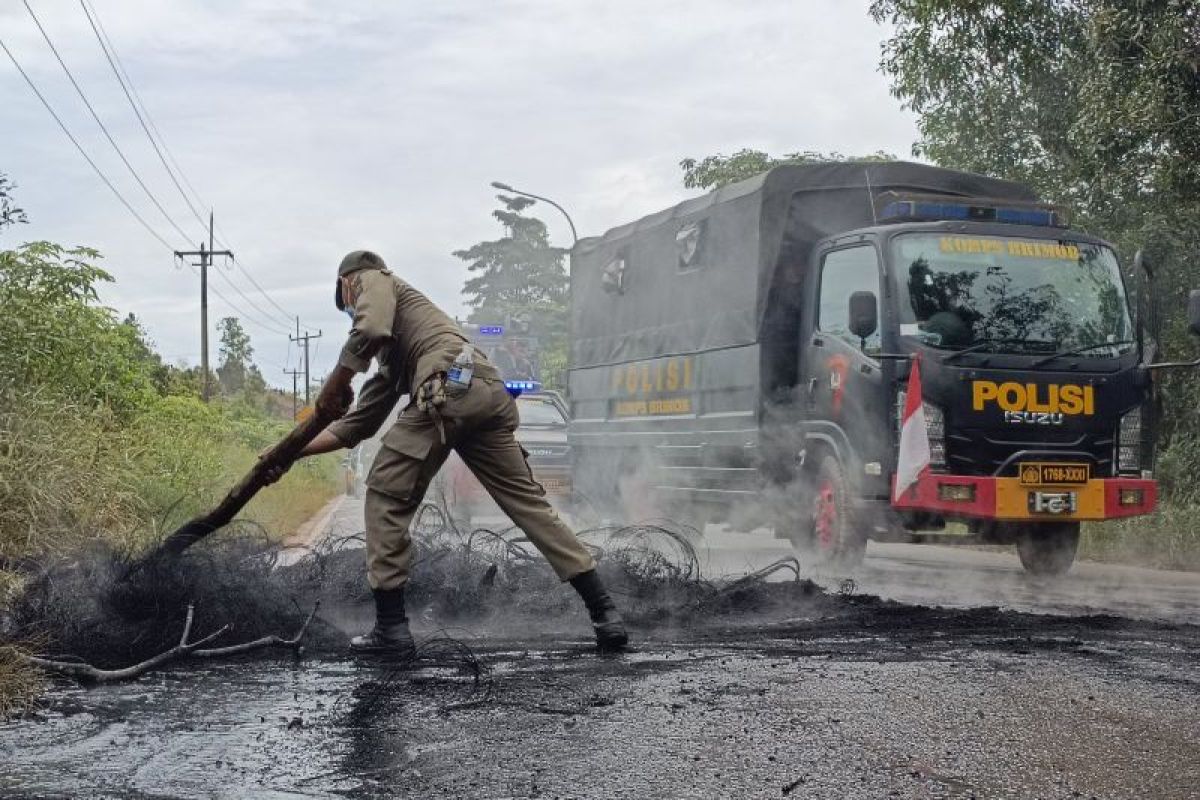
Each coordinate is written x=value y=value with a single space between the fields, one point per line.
x=10 y=213
x=715 y=171
x=55 y=334
x=520 y=276
x=236 y=372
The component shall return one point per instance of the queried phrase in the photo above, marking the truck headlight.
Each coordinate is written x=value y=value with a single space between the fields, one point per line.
x=1129 y=442
x=935 y=428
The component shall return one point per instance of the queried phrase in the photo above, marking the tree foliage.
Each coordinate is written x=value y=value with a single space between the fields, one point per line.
x=1095 y=103
x=517 y=272
x=55 y=333
x=718 y=170
x=10 y=213
x=520 y=279
x=236 y=371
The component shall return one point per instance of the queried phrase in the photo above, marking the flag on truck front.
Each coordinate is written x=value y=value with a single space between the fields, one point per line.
x=914 y=439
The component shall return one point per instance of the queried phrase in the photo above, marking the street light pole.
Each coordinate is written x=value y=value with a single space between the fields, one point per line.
x=504 y=187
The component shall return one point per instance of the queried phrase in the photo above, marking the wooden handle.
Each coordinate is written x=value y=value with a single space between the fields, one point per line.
x=283 y=454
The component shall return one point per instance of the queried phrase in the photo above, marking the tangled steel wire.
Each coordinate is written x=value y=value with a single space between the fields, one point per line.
x=92 y=608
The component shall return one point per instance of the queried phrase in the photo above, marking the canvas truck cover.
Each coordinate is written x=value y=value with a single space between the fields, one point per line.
x=714 y=271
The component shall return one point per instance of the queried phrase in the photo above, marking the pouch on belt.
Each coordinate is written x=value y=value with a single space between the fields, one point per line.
x=399 y=467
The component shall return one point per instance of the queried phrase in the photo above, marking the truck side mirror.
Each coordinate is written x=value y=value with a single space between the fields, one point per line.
x=864 y=314
x=1149 y=318
x=1142 y=264
x=1194 y=311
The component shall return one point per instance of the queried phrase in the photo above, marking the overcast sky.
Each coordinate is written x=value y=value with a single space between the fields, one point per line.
x=314 y=128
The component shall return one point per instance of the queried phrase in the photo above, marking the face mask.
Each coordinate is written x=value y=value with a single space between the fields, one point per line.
x=349 y=312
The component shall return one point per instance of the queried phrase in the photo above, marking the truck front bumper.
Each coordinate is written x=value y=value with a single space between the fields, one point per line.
x=978 y=497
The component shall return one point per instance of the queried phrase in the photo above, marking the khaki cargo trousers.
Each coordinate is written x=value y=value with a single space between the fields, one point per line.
x=479 y=425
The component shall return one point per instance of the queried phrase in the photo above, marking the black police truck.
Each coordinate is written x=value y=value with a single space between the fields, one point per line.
x=745 y=357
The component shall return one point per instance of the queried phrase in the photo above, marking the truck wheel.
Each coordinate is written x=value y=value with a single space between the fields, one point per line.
x=1048 y=548
x=836 y=537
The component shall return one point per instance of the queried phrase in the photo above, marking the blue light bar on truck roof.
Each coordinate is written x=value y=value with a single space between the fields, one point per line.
x=516 y=388
x=491 y=330
x=896 y=207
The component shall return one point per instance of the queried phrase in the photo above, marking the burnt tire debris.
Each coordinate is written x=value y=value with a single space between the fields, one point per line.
x=103 y=616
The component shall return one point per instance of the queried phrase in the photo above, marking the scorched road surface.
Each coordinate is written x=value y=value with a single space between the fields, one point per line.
x=845 y=696
x=948 y=687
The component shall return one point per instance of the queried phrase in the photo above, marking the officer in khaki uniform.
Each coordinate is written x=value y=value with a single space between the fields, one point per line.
x=415 y=343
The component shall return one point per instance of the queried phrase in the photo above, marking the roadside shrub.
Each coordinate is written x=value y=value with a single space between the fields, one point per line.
x=1169 y=538
x=70 y=474
x=61 y=474
x=55 y=334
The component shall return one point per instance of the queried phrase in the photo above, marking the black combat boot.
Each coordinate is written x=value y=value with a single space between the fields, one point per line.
x=390 y=636
x=610 y=630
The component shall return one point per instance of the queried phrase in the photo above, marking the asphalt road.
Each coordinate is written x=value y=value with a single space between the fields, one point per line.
x=968 y=577
x=926 y=677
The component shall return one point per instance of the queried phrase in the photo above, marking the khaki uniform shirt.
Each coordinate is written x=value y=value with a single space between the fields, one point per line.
x=410 y=337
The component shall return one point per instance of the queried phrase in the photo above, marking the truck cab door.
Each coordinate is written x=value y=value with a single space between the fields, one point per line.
x=842 y=389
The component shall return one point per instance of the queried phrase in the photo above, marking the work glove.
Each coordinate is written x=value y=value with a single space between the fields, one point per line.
x=431 y=395
x=335 y=399
x=275 y=471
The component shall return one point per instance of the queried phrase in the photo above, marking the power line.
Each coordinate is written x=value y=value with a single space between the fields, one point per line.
x=112 y=141
x=295 y=373
x=265 y=324
x=252 y=321
x=304 y=340
x=114 y=59
x=270 y=325
x=95 y=116
x=266 y=316
x=237 y=263
x=206 y=257
x=149 y=118
x=83 y=152
x=138 y=114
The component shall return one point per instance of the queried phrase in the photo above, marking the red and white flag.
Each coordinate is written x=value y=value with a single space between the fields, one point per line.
x=914 y=439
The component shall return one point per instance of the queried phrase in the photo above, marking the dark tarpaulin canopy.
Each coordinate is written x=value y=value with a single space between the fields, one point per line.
x=724 y=269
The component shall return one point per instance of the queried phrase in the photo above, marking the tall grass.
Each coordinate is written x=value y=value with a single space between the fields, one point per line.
x=1167 y=539
x=69 y=473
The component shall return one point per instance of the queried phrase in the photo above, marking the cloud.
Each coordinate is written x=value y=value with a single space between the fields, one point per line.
x=314 y=128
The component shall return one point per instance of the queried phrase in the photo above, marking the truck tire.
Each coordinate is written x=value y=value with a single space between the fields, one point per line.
x=836 y=536
x=1048 y=548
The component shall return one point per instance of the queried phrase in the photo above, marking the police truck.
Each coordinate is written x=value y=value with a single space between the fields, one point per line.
x=747 y=357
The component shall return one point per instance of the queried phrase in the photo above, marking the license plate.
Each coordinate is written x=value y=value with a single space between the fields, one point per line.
x=1042 y=474
x=1052 y=503
x=556 y=485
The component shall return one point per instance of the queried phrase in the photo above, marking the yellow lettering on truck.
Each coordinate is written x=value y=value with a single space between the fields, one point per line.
x=1054 y=398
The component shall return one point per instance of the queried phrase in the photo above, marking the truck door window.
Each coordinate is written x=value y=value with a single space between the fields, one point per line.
x=844 y=272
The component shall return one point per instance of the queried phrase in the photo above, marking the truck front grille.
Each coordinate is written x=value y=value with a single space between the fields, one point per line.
x=977 y=452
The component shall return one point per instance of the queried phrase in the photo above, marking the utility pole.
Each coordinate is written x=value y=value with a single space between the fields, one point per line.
x=295 y=373
x=206 y=256
x=305 y=339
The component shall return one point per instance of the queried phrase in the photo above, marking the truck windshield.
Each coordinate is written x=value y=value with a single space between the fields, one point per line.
x=1000 y=293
